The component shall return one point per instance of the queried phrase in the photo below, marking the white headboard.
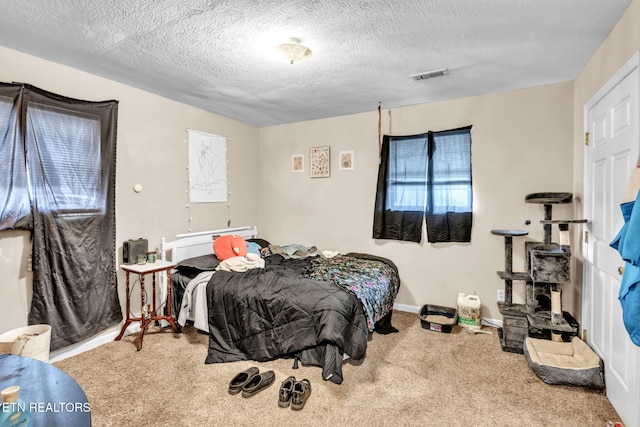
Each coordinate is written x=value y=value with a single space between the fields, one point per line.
x=190 y=245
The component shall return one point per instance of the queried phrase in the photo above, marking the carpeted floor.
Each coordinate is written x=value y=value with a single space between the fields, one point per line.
x=414 y=377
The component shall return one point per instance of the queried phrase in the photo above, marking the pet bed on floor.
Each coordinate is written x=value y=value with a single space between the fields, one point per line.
x=566 y=363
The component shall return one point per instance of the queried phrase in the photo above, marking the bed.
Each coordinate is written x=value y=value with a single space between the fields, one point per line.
x=316 y=307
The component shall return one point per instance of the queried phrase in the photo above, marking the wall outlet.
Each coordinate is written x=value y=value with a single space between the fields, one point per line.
x=500 y=295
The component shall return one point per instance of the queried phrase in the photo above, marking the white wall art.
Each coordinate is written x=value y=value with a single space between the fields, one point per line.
x=207 y=167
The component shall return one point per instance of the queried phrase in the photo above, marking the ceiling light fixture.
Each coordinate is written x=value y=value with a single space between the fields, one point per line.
x=430 y=74
x=294 y=52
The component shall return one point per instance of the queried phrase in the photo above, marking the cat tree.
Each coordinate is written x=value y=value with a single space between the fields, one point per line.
x=547 y=266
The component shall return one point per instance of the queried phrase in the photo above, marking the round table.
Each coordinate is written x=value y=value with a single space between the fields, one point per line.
x=53 y=397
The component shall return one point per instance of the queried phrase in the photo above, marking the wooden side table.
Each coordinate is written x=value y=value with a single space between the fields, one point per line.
x=148 y=312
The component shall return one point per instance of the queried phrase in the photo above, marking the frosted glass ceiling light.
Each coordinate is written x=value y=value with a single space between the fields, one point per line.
x=294 y=52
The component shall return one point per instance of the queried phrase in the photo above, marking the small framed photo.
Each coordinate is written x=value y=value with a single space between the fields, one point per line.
x=297 y=163
x=346 y=160
x=319 y=162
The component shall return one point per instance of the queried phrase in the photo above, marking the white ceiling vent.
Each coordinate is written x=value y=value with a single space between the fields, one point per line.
x=430 y=74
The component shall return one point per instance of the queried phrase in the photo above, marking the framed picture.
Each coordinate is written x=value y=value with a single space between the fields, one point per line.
x=297 y=163
x=319 y=162
x=346 y=160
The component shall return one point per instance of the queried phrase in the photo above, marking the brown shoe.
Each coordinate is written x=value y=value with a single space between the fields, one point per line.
x=286 y=389
x=237 y=382
x=257 y=383
x=300 y=394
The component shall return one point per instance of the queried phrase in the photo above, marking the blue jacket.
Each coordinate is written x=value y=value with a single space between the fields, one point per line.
x=627 y=243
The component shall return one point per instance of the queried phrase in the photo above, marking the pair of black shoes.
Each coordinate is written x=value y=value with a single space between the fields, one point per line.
x=251 y=381
x=294 y=392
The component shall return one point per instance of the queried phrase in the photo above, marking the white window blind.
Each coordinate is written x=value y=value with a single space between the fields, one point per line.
x=68 y=158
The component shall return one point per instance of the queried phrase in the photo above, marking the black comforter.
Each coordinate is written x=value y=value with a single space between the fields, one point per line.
x=263 y=314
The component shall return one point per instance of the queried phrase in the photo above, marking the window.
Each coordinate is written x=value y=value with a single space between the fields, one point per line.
x=451 y=172
x=70 y=161
x=426 y=175
x=407 y=179
x=61 y=154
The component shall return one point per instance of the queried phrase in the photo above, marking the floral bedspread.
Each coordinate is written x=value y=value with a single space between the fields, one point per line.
x=374 y=282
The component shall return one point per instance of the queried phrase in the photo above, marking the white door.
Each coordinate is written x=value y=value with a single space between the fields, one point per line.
x=612 y=118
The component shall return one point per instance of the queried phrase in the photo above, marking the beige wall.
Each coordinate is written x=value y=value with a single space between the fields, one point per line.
x=621 y=44
x=521 y=143
x=151 y=151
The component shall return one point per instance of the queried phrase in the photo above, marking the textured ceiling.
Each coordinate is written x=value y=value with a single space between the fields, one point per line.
x=219 y=55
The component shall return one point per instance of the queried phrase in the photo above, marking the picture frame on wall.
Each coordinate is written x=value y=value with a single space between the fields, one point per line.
x=346 y=160
x=319 y=162
x=297 y=163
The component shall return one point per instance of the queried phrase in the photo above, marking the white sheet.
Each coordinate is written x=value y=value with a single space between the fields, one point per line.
x=194 y=302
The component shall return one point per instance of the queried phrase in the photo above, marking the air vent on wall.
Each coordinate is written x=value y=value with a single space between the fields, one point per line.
x=430 y=74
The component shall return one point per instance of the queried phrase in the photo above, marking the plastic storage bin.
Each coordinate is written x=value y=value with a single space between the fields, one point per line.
x=28 y=341
x=438 y=318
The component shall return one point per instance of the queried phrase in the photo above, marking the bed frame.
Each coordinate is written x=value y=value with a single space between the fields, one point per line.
x=190 y=245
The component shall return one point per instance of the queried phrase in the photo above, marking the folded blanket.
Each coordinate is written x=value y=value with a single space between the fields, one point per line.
x=241 y=263
x=292 y=251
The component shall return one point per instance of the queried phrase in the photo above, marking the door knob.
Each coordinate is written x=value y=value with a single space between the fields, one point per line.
x=621 y=270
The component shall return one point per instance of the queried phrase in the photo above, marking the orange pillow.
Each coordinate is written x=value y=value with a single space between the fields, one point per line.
x=228 y=246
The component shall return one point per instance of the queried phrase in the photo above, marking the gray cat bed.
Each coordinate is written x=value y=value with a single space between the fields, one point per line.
x=565 y=363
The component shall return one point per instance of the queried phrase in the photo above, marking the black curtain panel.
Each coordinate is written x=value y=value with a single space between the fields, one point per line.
x=400 y=191
x=69 y=154
x=449 y=186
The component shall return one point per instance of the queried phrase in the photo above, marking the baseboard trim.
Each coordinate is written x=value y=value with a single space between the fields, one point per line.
x=407 y=308
x=495 y=323
x=96 y=341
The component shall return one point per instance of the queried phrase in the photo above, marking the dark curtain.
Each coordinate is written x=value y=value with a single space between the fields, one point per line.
x=397 y=224
x=449 y=227
x=73 y=208
x=449 y=196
